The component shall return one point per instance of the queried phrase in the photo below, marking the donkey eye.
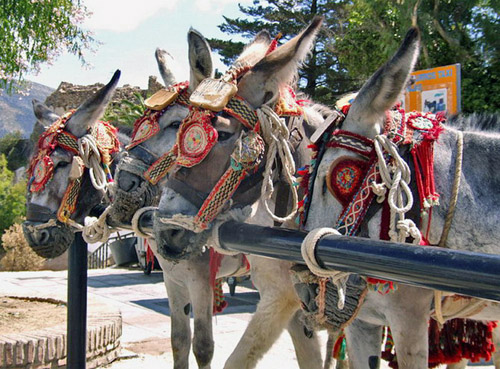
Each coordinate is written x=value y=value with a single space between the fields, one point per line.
x=223 y=136
x=61 y=164
x=176 y=124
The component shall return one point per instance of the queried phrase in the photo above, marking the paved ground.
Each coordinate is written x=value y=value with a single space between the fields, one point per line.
x=146 y=324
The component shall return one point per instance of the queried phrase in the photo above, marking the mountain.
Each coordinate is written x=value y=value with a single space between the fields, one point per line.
x=16 y=111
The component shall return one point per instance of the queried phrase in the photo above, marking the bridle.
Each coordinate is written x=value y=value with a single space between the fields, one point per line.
x=92 y=151
x=197 y=136
x=414 y=130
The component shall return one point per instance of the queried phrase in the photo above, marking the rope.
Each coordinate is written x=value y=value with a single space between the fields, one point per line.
x=239 y=215
x=276 y=135
x=308 y=251
x=470 y=309
x=96 y=229
x=454 y=192
x=89 y=152
x=395 y=177
x=135 y=221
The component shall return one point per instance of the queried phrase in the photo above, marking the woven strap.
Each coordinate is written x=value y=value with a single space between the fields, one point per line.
x=68 y=204
x=162 y=166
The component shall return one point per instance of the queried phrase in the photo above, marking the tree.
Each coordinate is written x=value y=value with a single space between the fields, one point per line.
x=360 y=35
x=37 y=31
x=453 y=31
x=12 y=197
x=321 y=77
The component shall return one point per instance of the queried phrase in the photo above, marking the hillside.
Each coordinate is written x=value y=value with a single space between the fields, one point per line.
x=16 y=112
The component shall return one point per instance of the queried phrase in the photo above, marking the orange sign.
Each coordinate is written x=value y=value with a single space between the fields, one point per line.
x=434 y=90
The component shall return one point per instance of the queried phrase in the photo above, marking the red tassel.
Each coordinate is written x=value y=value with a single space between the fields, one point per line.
x=274 y=44
x=214 y=265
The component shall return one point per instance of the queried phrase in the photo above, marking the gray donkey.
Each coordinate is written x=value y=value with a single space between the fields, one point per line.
x=474 y=224
x=258 y=87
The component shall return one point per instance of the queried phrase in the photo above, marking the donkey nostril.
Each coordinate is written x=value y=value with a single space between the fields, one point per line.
x=176 y=234
x=44 y=236
x=128 y=182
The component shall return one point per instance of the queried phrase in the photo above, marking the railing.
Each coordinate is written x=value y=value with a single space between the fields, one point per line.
x=100 y=258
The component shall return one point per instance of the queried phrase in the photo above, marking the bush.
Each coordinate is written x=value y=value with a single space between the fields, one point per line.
x=12 y=197
x=18 y=255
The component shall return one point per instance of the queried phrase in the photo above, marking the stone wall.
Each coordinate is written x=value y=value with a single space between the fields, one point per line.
x=69 y=96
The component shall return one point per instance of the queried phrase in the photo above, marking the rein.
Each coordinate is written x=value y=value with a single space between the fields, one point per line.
x=92 y=151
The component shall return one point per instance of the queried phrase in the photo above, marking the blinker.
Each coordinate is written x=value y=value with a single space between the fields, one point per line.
x=161 y=99
x=213 y=94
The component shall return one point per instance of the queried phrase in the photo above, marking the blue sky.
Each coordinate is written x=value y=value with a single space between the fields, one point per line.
x=131 y=30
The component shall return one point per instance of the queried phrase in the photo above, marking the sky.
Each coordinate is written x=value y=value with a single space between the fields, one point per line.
x=130 y=31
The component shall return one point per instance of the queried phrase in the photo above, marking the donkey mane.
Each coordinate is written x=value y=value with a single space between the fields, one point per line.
x=476 y=122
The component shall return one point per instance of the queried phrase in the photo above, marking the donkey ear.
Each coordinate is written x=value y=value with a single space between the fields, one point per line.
x=384 y=88
x=91 y=110
x=279 y=67
x=45 y=117
x=255 y=50
x=166 y=74
x=200 y=58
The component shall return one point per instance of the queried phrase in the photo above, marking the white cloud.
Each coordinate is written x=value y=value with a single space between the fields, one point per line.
x=216 y=6
x=123 y=15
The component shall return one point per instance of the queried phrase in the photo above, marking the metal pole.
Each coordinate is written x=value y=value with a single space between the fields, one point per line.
x=77 y=303
x=455 y=271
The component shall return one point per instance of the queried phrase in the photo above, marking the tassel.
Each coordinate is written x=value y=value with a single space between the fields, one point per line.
x=339 y=349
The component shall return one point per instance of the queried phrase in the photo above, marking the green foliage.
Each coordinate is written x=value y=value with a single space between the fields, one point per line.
x=321 y=77
x=126 y=112
x=453 y=31
x=9 y=141
x=37 y=31
x=12 y=197
x=360 y=35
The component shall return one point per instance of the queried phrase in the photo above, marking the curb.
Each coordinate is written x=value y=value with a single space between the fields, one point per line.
x=47 y=348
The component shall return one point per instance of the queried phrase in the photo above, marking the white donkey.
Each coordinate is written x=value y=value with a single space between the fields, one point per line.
x=474 y=223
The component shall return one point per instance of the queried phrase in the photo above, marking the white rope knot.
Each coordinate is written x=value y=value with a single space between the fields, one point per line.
x=96 y=229
x=276 y=135
x=89 y=152
x=308 y=250
x=395 y=177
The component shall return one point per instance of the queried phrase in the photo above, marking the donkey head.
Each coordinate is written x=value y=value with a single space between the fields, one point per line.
x=53 y=171
x=340 y=170
x=155 y=134
x=258 y=76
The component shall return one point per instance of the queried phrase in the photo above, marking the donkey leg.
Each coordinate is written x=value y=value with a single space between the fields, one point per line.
x=363 y=344
x=277 y=305
x=178 y=299
x=462 y=364
x=306 y=343
x=202 y=298
x=408 y=312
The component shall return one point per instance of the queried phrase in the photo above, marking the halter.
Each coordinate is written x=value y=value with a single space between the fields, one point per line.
x=100 y=142
x=197 y=136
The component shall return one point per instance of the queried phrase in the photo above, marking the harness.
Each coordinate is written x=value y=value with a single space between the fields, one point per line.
x=91 y=151
x=197 y=136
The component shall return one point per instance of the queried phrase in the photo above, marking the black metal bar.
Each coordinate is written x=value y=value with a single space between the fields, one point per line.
x=77 y=303
x=455 y=271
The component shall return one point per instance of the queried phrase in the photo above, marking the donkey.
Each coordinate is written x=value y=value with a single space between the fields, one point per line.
x=56 y=172
x=188 y=279
x=408 y=309
x=201 y=168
